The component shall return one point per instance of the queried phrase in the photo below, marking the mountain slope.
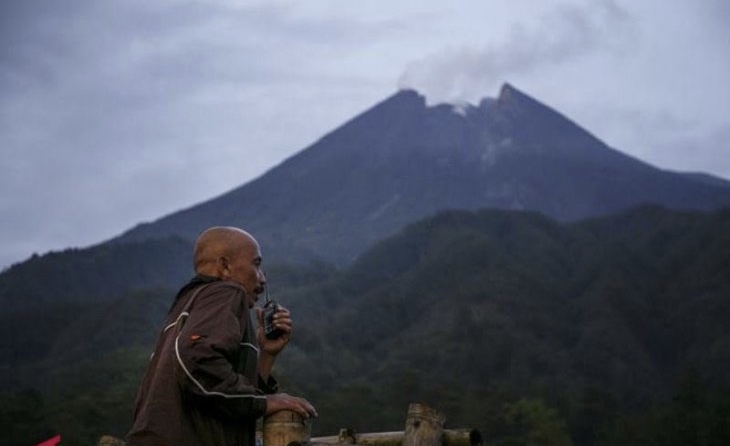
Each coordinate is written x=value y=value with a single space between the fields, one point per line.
x=402 y=160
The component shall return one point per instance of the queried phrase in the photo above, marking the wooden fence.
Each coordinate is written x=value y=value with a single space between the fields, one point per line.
x=424 y=426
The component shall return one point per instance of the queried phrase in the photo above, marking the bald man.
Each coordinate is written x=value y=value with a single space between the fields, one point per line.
x=209 y=378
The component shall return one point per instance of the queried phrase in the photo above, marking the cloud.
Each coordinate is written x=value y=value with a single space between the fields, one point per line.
x=122 y=111
x=566 y=33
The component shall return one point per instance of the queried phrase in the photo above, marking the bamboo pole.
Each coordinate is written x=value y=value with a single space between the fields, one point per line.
x=284 y=428
x=451 y=437
x=424 y=426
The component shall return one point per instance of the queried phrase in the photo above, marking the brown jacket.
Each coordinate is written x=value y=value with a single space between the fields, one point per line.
x=201 y=387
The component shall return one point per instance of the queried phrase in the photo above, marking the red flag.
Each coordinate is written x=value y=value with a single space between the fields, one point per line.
x=51 y=441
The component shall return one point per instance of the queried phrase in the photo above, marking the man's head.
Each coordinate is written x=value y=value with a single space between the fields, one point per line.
x=231 y=254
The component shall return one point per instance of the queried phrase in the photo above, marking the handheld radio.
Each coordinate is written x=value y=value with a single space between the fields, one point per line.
x=270 y=309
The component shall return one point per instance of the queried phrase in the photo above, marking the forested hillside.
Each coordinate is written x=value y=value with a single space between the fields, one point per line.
x=609 y=331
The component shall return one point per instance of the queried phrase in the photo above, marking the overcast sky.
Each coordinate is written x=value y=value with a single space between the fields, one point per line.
x=117 y=112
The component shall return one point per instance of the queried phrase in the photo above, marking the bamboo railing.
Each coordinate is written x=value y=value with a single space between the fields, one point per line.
x=424 y=426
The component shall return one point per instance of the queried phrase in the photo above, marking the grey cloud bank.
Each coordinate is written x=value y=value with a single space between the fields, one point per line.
x=119 y=112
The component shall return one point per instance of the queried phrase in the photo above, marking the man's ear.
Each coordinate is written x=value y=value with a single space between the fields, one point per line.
x=224 y=266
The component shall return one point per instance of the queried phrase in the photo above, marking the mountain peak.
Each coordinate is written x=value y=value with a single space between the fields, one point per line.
x=406 y=96
x=510 y=96
x=506 y=91
x=403 y=102
x=536 y=123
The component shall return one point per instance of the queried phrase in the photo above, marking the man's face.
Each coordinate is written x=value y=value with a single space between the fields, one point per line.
x=245 y=269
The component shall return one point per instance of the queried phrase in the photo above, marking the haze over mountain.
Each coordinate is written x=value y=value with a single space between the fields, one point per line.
x=403 y=160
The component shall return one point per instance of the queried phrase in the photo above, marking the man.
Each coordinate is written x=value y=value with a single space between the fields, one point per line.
x=209 y=378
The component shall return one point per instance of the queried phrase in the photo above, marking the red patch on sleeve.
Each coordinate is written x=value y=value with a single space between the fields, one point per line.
x=195 y=337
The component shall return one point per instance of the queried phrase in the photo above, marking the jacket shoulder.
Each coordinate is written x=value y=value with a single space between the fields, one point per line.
x=225 y=285
x=216 y=293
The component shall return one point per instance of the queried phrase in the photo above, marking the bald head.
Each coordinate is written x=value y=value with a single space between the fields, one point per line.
x=219 y=246
x=231 y=254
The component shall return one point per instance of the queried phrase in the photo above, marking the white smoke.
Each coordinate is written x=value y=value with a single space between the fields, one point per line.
x=568 y=32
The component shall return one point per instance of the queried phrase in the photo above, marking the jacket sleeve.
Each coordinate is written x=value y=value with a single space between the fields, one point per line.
x=206 y=348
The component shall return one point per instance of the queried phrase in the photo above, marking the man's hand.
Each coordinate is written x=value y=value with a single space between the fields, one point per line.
x=282 y=321
x=281 y=401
